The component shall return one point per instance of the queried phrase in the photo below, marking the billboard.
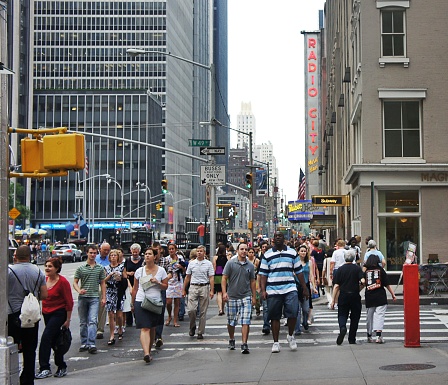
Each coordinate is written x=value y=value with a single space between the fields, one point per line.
x=261 y=182
x=302 y=211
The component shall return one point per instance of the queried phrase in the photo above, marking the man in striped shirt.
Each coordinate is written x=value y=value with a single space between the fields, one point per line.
x=278 y=269
x=86 y=280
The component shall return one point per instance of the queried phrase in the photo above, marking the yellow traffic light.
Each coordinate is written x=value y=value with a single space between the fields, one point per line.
x=64 y=152
x=32 y=155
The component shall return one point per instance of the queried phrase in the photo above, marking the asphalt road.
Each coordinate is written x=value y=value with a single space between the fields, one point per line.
x=323 y=332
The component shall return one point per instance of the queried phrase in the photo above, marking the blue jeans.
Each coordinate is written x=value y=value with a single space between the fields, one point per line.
x=159 y=328
x=266 y=324
x=304 y=309
x=88 y=319
x=53 y=323
x=182 y=308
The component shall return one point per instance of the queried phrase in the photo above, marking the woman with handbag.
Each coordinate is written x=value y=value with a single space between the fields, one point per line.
x=149 y=281
x=57 y=311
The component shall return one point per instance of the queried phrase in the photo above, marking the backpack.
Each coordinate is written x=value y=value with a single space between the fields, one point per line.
x=30 y=310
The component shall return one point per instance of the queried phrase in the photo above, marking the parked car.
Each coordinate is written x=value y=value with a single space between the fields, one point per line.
x=69 y=252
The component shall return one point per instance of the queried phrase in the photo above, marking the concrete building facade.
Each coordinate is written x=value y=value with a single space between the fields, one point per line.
x=383 y=136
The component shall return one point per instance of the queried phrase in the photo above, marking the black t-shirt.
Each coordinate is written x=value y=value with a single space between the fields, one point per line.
x=319 y=257
x=131 y=266
x=348 y=277
x=375 y=293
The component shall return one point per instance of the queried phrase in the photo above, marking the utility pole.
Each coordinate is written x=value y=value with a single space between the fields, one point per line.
x=9 y=358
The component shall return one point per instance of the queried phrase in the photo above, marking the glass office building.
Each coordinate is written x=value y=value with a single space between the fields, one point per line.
x=84 y=79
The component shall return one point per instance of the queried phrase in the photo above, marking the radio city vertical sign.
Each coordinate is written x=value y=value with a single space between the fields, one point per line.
x=312 y=111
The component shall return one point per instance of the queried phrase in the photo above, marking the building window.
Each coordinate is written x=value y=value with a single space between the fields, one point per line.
x=402 y=126
x=393 y=34
x=399 y=223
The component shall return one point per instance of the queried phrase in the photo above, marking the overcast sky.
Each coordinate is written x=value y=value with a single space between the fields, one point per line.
x=266 y=69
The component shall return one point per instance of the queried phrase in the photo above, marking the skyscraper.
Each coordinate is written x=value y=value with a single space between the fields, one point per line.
x=84 y=79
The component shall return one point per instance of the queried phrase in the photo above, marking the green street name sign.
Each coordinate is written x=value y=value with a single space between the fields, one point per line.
x=198 y=142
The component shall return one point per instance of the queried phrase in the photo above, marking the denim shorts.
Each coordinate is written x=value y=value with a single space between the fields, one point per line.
x=283 y=304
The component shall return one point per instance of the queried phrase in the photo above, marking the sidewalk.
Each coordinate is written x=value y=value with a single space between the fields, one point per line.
x=346 y=364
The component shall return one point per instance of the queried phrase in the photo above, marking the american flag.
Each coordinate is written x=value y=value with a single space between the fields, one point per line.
x=302 y=186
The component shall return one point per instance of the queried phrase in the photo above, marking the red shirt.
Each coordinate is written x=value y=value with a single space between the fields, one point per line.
x=201 y=230
x=59 y=297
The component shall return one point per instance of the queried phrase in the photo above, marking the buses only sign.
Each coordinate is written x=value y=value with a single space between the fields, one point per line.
x=213 y=175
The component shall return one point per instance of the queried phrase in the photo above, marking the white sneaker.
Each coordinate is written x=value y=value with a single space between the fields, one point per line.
x=379 y=340
x=292 y=342
x=275 y=347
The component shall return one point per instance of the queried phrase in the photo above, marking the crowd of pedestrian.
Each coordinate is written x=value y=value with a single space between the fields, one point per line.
x=280 y=279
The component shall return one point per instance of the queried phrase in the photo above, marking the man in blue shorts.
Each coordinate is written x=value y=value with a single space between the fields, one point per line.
x=277 y=273
x=239 y=274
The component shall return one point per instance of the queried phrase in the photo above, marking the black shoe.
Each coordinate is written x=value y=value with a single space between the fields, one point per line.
x=244 y=349
x=192 y=331
x=352 y=342
x=181 y=318
x=341 y=335
x=62 y=372
x=231 y=344
x=200 y=337
x=93 y=350
x=83 y=348
x=99 y=336
x=111 y=342
x=305 y=325
x=266 y=332
x=159 y=343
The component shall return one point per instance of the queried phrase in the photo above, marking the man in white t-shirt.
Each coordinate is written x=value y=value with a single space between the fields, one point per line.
x=338 y=257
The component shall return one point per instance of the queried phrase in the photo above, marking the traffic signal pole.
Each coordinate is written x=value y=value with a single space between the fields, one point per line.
x=251 y=192
x=9 y=359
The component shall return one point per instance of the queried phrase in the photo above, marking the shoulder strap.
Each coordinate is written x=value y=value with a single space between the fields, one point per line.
x=37 y=281
x=17 y=276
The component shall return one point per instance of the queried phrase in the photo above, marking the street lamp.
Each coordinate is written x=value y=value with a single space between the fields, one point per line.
x=251 y=166
x=146 y=199
x=211 y=68
x=112 y=179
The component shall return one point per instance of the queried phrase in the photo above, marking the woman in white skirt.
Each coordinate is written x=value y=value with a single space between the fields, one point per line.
x=376 y=298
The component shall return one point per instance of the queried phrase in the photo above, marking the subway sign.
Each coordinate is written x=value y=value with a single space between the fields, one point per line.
x=331 y=200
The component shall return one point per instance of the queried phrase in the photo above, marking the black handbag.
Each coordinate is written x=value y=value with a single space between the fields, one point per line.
x=63 y=341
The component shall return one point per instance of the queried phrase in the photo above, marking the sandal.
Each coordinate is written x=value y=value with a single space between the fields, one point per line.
x=168 y=322
x=111 y=342
x=120 y=337
x=176 y=325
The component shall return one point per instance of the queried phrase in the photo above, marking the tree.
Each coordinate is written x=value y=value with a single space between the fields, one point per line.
x=25 y=212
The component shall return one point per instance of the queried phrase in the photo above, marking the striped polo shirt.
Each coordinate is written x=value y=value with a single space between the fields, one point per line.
x=278 y=266
x=200 y=271
x=90 y=278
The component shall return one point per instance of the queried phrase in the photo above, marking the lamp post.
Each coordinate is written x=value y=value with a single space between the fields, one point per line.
x=251 y=166
x=145 y=186
x=112 y=179
x=213 y=122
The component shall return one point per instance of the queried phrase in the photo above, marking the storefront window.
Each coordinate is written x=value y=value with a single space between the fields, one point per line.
x=399 y=224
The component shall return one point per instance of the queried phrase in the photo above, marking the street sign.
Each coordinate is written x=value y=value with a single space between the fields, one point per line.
x=255 y=205
x=213 y=175
x=198 y=142
x=14 y=213
x=331 y=200
x=213 y=151
x=79 y=194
